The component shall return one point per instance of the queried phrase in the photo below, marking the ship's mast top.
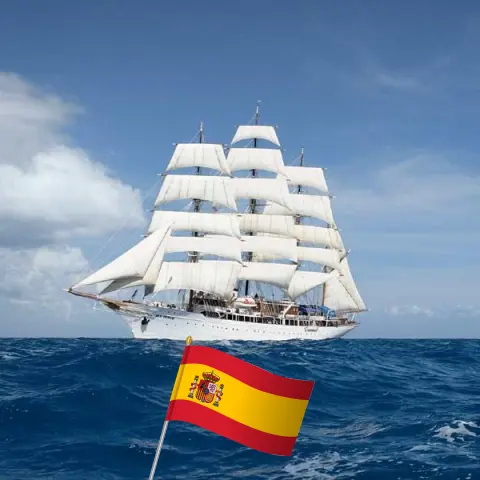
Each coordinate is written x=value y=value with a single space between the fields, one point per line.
x=299 y=188
x=200 y=134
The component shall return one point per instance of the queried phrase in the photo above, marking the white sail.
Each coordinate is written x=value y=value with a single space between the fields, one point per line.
x=268 y=189
x=337 y=298
x=307 y=176
x=206 y=155
x=274 y=224
x=209 y=276
x=215 y=223
x=119 y=284
x=262 y=132
x=267 y=159
x=132 y=264
x=277 y=274
x=151 y=274
x=323 y=256
x=304 y=281
x=316 y=206
x=326 y=236
x=263 y=247
x=347 y=279
x=221 y=246
x=217 y=190
x=341 y=293
x=266 y=248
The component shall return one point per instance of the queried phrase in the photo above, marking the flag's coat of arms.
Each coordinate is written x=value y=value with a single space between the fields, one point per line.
x=207 y=388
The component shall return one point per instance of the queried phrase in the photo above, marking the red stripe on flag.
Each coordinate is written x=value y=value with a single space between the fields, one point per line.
x=250 y=374
x=197 y=414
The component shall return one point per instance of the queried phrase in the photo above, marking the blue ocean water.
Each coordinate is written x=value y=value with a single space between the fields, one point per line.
x=93 y=409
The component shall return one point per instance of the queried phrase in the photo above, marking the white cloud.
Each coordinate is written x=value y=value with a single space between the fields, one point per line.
x=50 y=191
x=396 y=81
x=31 y=121
x=410 y=310
x=33 y=302
x=468 y=310
x=412 y=223
x=35 y=277
x=60 y=195
x=52 y=194
x=420 y=186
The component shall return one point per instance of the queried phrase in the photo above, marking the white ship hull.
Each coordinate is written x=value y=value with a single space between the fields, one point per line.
x=175 y=324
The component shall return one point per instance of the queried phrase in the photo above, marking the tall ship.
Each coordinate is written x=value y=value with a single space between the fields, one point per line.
x=244 y=246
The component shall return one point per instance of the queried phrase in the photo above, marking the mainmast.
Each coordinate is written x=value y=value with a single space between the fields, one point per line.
x=253 y=201
x=196 y=208
x=299 y=188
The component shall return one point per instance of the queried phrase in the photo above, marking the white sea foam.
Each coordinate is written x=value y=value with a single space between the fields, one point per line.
x=354 y=431
x=458 y=431
x=9 y=356
x=329 y=466
x=145 y=446
x=317 y=466
x=420 y=448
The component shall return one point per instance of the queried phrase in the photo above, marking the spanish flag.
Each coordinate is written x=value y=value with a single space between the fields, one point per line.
x=237 y=400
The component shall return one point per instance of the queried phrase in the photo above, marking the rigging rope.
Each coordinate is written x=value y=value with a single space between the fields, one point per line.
x=149 y=192
x=145 y=196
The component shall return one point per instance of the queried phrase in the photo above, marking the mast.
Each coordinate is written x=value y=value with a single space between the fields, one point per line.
x=324 y=291
x=324 y=286
x=298 y=217
x=196 y=208
x=299 y=190
x=253 y=201
x=298 y=221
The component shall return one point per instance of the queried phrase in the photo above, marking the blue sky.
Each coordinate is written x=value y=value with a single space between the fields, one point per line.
x=384 y=94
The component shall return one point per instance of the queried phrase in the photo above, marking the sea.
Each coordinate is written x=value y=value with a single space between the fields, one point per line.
x=380 y=409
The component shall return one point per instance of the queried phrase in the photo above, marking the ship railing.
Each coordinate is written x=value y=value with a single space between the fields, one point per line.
x=312 y=322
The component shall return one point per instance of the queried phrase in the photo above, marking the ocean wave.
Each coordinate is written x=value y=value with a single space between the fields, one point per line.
x=74 y=409
x=459 y=431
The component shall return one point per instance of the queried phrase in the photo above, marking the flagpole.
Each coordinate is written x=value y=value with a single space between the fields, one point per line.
x=159 y=448
x=188 y=342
